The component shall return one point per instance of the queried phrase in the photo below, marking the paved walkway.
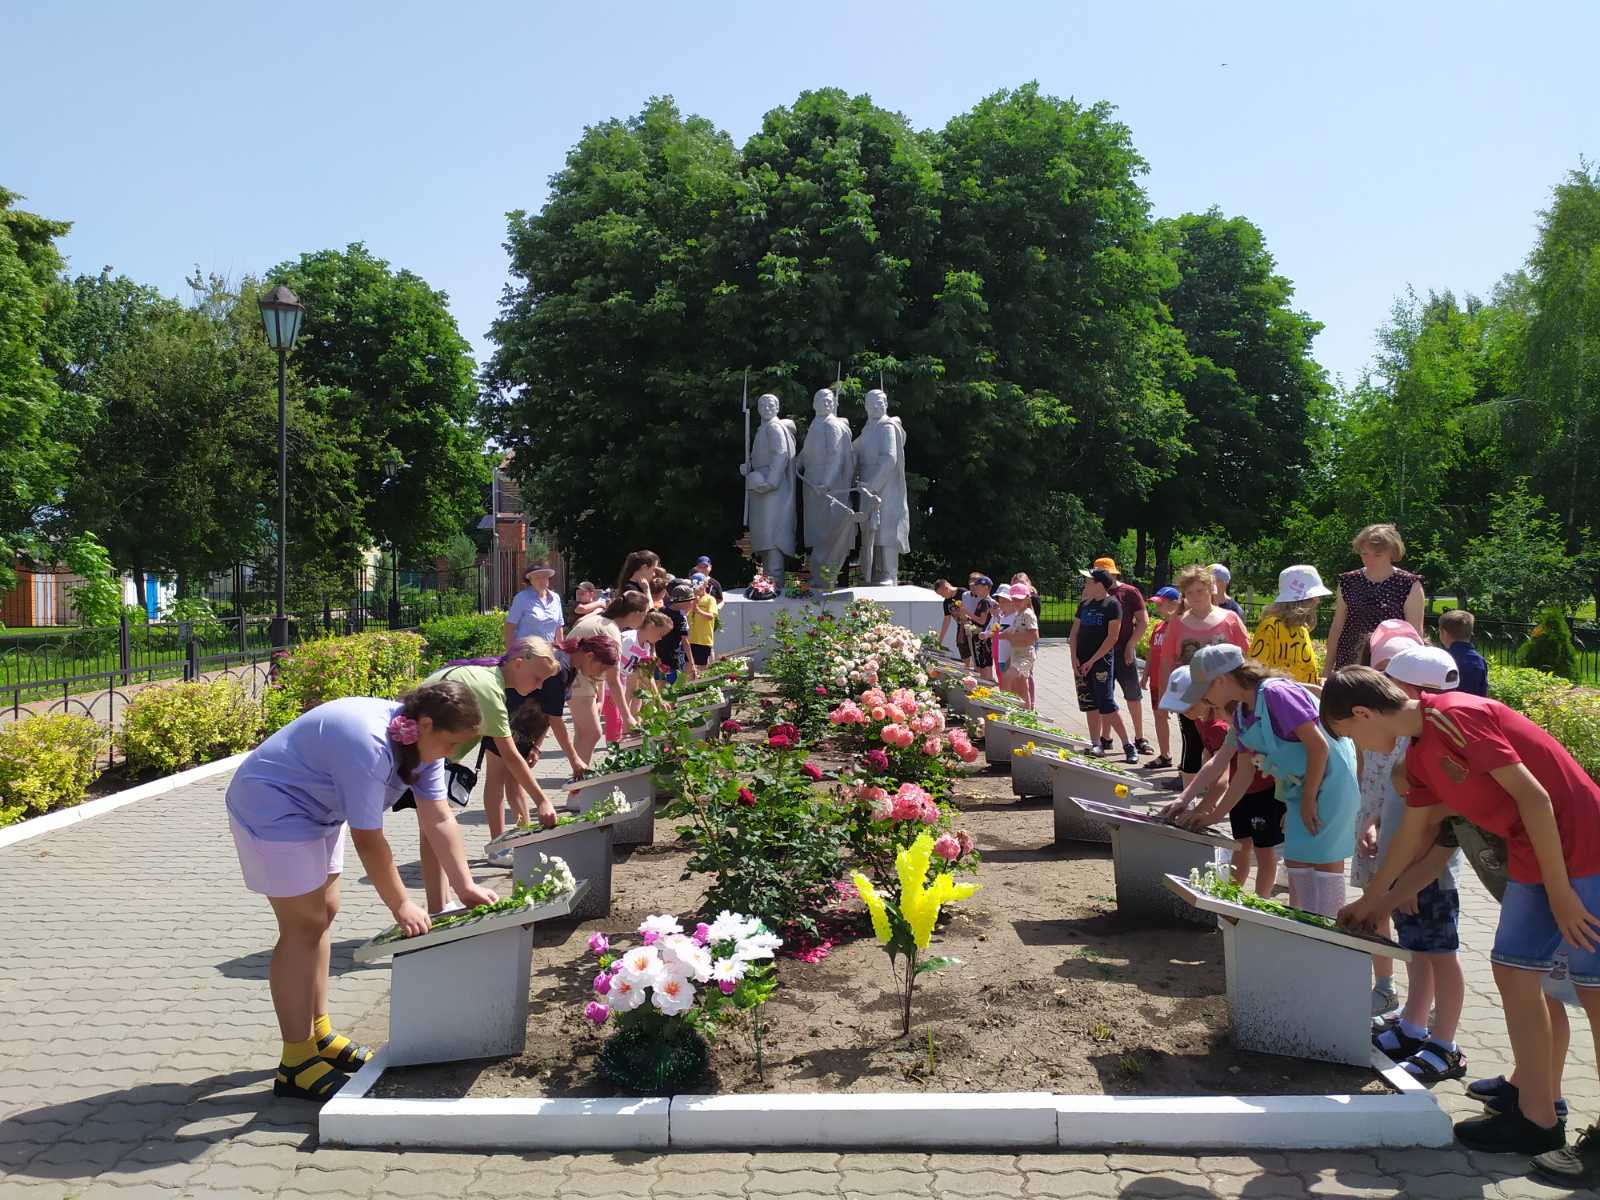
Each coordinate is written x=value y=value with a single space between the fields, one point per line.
x=137 y=1036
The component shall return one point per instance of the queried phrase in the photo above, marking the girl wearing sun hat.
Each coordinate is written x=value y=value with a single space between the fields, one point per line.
x=1282 y=639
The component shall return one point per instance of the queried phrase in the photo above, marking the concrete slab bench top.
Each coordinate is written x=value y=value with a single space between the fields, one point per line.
x=1348 y=939
x=375 y=950
x=1145 y=849
x=538 y=835
x=1156 y=825
x=607 y=779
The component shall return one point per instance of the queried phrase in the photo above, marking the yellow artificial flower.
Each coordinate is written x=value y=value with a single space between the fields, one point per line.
x=875 y=907
x=920 y=904
x=1019 y=752
x=1121 y=790
x=980 y=693
x=990 y=716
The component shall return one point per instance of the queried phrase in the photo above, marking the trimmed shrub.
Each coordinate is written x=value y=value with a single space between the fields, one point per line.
x=1550 y=648
x=46 y=762
x=1522 y=687
x=471 y=635
x=1570 y=715
x=170 y=726
x=368 y=664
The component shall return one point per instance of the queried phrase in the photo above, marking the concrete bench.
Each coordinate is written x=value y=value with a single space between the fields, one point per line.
x=1028 y=777
x=1144 y=851
x=585 y=846
x=1295 y=989
x=1070 y=780
x=462 y=992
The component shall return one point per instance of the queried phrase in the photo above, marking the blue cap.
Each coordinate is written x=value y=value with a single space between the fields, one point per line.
x=702 y=561
x=1166 y=593
x=983 y=581
x=697 y=577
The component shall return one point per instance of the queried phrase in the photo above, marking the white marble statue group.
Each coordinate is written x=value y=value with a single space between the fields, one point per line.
x=847 y=487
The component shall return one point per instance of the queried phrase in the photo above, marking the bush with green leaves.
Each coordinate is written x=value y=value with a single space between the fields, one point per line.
x=379 y=664
x=1570 y=715
x=196 y=612
x=46 y=763
x=757 y=825
x=1550 y=648
x=470 y=635
x=1522 y=687
x=170 y=726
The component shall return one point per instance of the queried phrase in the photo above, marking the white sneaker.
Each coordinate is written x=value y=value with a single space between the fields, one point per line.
x=500 y=858
x=1384 y=1000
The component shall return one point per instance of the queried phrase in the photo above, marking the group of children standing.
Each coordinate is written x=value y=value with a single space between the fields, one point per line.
x=996 y=629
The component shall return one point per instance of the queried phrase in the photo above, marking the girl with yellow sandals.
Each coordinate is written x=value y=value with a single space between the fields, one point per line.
x=343 y=763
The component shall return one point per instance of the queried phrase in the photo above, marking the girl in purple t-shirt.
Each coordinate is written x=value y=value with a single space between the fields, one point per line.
x=343 y=763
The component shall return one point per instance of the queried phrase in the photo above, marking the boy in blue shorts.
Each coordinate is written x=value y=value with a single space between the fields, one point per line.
x=1093 y=641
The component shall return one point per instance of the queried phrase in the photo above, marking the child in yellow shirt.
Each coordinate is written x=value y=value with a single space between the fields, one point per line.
x=702 y=623
x=1283 y=635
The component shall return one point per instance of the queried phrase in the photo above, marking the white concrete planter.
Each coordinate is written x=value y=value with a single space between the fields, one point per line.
x=636 y=784
x=1144 y=852
x=462 y=993
x=971 y=1120
x=1295 y=989
x=978 y=715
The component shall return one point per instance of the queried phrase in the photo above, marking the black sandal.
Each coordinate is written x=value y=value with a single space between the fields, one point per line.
x=352 y=1058
x=1403 y=1046
x=1432 y=1063
x=320 y=1090
x=1159 y=764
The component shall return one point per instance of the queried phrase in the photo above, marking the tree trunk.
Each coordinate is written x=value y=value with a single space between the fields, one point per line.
x=1141 y=553
x=138 y=585
x=1163 y=539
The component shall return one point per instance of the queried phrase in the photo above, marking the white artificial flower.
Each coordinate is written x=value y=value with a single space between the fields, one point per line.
x=642 y=966
x=728 y=970
x=729 y=926
x=672 y=994
x=661 y=924
x=758 y=945
x=555 y=868
x=625 y=994
x=683 y=955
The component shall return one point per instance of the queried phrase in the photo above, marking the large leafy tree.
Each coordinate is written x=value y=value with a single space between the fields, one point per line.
x=34 y=412
x=182 y=436
x=1251 y=390
x=388 y=365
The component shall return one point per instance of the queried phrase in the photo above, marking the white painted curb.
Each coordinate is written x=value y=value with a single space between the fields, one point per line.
x=350 y=1119
x=899 y=1120
x=62 y=818
x=892 y=1120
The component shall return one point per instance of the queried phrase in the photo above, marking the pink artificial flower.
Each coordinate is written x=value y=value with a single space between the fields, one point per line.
x=596 y=1012
x=933 y=746
x=649 y=937
x=727 y=986
x=702 y=934
x=947 y=848
x=811 y=770
x=602 y=983
x=599 y=943
x=403 y=730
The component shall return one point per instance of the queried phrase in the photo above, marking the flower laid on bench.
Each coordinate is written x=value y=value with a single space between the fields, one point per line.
x=1221 y=886
x=557 y=882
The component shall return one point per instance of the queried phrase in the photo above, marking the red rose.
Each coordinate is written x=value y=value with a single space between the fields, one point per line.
x=747 y=797
x=821 y=691
x=778 y=742
x=811 y=770
x=877 y=760
x=731 y=726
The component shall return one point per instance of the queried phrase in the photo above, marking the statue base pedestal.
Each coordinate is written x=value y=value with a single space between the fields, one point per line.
x=747 y=622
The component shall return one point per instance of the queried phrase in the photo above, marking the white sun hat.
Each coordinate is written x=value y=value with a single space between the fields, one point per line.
x=1299 y=582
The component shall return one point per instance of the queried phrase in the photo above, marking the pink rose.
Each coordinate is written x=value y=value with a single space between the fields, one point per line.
x=964 y=840
x=811 y=770
x=596 y=1012
x=747 y=797
x=876 y=759
x=890 y=734
x=933 y=747
x=820 y=690
x=731 y=727
x=947 y=848
x=879 y=713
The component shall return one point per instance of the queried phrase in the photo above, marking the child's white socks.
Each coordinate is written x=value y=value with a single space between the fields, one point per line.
x=1302 y=883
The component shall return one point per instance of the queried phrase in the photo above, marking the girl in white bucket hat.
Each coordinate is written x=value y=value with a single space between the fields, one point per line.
x=1283 y=635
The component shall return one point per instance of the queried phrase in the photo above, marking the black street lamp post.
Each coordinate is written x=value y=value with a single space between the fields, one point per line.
x=392 y=466
x=281 y=313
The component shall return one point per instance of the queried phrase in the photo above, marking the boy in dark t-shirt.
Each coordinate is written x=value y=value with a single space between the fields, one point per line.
x=1093 y=642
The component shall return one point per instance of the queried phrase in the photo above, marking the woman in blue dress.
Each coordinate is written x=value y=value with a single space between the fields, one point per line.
x=1275 y=721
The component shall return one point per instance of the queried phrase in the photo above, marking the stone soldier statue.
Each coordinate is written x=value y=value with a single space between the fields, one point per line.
x=880 y=454
x=826 y=469
x=769 y=478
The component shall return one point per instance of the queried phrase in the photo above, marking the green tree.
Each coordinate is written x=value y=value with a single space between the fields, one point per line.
x=98 y=598
x=1550 y=648
x=1520 y=564
x=1250 y=388
x=182 y=433
x=394 y=371
x=34 y=413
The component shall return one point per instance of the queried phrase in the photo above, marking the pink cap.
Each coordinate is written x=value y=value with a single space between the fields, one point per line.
x=1390 y=638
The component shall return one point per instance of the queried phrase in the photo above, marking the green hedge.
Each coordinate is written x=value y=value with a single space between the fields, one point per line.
x=46 y=762
x=473 y=635
x=367 y=664
x=170 y=726
x=1571 y=715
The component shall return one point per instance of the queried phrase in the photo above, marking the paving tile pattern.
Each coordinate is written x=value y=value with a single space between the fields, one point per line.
x=137 y=1039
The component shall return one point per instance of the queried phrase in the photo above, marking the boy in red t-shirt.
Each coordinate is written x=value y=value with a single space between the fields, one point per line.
x=1477 y=758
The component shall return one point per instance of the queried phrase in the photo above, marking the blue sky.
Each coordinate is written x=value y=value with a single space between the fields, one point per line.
x=1377 y=145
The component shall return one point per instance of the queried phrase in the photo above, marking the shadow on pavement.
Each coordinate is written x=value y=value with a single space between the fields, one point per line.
x=254 y=966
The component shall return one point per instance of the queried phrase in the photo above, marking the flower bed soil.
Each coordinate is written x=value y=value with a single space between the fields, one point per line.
x=1056 y=993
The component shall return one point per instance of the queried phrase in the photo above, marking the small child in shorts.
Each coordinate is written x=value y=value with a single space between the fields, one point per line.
x=1023 y=640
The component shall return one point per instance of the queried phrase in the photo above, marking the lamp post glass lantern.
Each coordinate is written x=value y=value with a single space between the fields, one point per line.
x=281 y=314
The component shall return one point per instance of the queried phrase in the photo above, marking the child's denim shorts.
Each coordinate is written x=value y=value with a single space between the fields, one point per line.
x=1528 y=936
x=1432 y=929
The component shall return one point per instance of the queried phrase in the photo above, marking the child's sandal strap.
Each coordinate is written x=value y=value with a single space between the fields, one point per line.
x=323 y=1087
x=352 y=1058
x=1432 y=1064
